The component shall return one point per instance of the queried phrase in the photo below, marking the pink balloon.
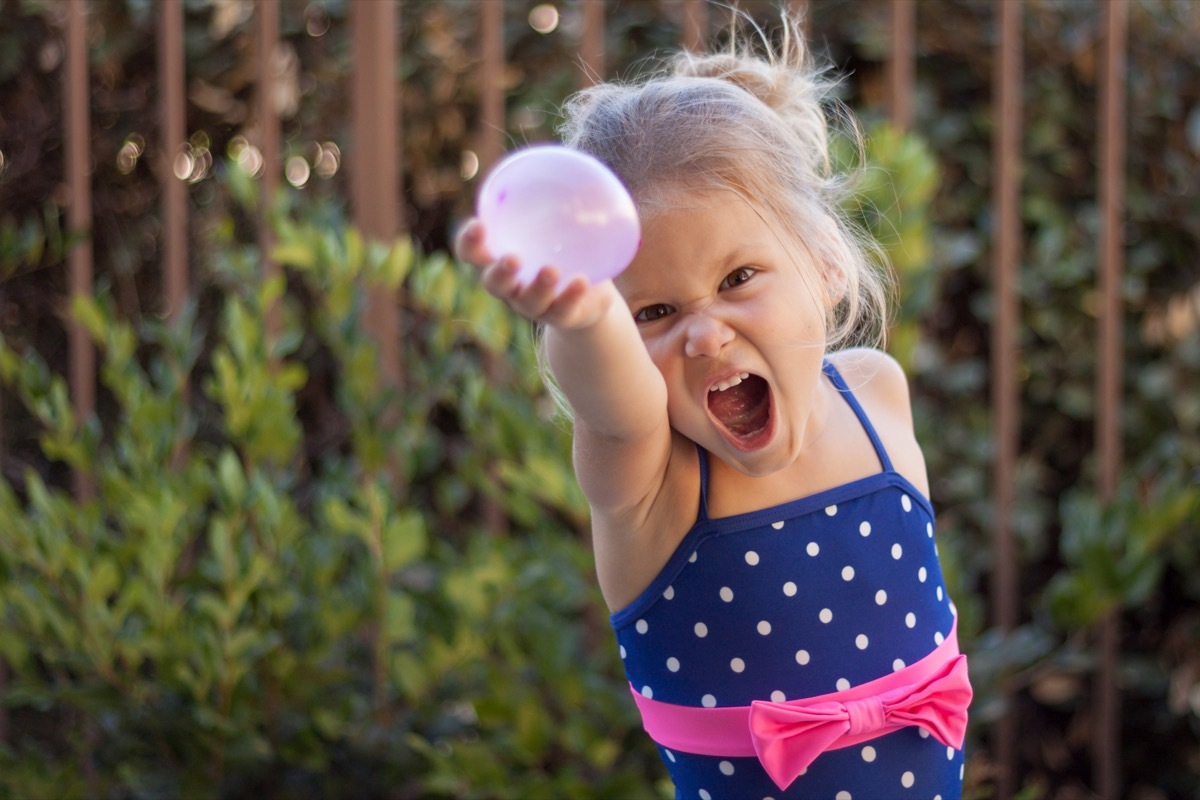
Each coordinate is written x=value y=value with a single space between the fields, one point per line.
x=551 y=205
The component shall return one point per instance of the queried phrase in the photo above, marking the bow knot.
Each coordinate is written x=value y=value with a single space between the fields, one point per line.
x=864 y=716
x=789 y=736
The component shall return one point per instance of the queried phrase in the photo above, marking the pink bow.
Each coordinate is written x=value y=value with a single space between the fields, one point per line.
x=789 y=736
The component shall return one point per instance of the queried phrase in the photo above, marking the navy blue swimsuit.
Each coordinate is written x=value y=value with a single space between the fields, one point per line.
x=802 y=599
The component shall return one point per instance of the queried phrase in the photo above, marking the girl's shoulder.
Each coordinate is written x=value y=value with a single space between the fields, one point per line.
x=880 y=385
x=873 y=375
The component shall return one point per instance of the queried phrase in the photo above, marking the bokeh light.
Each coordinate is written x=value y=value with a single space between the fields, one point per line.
x=544 y=18
x=297 y=171
x=327 y=159
x=469 y=167
x=131 y=150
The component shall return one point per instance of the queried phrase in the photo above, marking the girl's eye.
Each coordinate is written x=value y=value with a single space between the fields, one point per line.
x=737 y=277
x=652 y=313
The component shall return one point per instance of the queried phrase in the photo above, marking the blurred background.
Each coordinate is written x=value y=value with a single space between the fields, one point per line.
x=284 y=508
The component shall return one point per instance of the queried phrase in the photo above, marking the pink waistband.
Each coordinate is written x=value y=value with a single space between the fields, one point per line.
x=932 y=693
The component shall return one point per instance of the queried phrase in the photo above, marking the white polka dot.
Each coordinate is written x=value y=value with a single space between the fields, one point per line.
x=670 y=755
x=842 y=684
x=922 y=574
x=737 y=665
x=868 y=754
x=910 y=619
x=898 y=665
x=907 y=779
x=847 y=573
x=692 y=558
x=865 y=528
x=789 y=589
x=880 y=597
x=929 y=529
x=937 y=637
x=939 y=594
x=764 y=627
x=622 y=651
x=937 y=797
x=647 y=692
x=669 y=594
x=726 y=594
x=897 y=551
x=905 y=502
x=701 y=629
x=825 y=616
x=924 y=733
x=949 y=753
x=802 y=657
x=751 y=557
x=642 y=626
x=830 y=510
x=726 y=768
x=778 y=697
x=673 y=664
x=777 y=525
x=861 y=641
x=708 y=701
x=961 y=769
x=813 y=548
x=704 y=795
x=843 y=796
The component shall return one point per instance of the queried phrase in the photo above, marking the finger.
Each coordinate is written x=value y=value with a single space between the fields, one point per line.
x=500 y=279
x=535 y=298
x=471 y=246
x=569 y=302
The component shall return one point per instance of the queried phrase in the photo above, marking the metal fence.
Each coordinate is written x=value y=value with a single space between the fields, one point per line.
x=375 y=181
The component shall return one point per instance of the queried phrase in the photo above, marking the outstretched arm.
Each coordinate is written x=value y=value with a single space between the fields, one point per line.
x=619 y=399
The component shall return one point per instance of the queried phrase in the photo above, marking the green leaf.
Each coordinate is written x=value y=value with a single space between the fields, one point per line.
x=404 y=540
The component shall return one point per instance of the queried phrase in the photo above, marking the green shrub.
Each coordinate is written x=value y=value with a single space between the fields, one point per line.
x=251 y=607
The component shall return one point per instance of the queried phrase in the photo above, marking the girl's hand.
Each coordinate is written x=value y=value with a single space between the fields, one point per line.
x=578 y=305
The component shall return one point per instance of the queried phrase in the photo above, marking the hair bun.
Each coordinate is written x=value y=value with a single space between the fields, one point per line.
x=761 y=79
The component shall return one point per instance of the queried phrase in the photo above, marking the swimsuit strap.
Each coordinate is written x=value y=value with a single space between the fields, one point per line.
x=840 y=383
x=702 y=514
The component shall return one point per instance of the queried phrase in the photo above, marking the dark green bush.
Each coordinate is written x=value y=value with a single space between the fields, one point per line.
x=250 y=607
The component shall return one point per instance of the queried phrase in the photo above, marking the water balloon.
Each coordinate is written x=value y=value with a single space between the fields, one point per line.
x=552 y=205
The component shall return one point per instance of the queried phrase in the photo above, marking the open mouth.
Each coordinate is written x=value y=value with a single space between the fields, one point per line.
x=741 y=405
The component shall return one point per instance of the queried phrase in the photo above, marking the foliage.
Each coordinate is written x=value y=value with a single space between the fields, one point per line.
x=234 y=613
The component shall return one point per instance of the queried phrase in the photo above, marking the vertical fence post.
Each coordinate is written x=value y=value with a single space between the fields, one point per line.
x=1005 y=396
x=592 y=45
x=1106 y=749
x=82 y=356
x=900 y=62
x=694 y=31
x=375 y=179
x=491 y=84
x=171 y=95
x=491 y=146
x=266 y=42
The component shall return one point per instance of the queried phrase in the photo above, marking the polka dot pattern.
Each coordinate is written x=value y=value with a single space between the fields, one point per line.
x=811 y=596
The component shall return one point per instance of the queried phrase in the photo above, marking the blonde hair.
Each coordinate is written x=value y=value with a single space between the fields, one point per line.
x=758 y=120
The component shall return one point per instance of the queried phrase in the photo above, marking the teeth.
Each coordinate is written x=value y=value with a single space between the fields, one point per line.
x=734 y=381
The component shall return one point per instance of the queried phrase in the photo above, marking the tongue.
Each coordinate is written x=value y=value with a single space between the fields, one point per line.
x=744 y=408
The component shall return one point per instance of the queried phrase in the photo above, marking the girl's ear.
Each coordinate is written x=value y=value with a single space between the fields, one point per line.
x=835 y=280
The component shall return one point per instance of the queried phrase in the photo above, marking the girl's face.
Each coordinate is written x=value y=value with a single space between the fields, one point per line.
x=734 y=327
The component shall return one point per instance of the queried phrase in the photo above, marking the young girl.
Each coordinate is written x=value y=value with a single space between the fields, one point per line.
x=759 y=503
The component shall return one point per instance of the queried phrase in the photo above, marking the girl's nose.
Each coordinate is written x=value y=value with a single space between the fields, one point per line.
x=704 y=336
